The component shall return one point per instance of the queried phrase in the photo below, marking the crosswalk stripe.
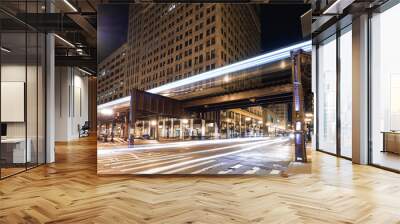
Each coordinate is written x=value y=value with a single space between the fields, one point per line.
x=236 y=166
x=230 y=169
x=253 y=170
x=275 y=172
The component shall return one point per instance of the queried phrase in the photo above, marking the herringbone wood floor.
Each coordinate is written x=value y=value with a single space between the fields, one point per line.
x=70 y=192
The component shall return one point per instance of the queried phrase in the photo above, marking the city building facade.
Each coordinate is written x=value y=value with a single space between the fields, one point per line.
x=112 y=76
x=169 y=42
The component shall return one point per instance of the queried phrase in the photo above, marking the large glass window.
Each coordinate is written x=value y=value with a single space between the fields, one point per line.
x=327 y=95
x=22 y=93
x=385 y=88
x=13 y=122
x=345 y=57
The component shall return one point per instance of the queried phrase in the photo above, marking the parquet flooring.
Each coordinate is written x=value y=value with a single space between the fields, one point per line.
x=70 y=191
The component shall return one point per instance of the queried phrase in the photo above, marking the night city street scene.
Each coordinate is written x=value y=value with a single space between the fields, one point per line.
x=205 y=89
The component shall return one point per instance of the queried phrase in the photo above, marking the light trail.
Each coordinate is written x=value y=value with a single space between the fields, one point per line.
x=106 y=151
x=238 y=66
x=160 y=170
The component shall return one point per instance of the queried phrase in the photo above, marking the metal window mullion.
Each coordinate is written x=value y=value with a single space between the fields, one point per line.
x=26 y=87
x=37 y=91
x=317 y=97
x=369 y=100
x=338 y=98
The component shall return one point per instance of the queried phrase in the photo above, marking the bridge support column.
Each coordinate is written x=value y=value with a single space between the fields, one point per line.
x=298 y=108
x=126 y=128
x=264 y=121
x=132 y=120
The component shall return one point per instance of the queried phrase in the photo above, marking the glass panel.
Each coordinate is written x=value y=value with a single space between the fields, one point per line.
x=13 y=86
x=327 y=96
x=385 y=84
x=346 y=94
x=31 y=98
x=41 y=99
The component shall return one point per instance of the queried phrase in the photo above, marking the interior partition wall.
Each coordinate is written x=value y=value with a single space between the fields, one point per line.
x=385 y=88
x=334 y=94
x=22 y=76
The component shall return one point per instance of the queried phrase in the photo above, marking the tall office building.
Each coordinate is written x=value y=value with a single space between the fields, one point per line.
x=112 y=76
x=168 y=42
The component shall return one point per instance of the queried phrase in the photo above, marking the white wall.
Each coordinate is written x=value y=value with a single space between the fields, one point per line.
x=16 y=73
x=71 y=103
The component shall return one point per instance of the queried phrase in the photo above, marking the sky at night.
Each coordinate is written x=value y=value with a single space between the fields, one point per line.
x=280 y=26
x=112 y=28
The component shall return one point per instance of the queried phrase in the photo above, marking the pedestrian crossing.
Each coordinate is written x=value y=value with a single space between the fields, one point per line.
x=250 y=158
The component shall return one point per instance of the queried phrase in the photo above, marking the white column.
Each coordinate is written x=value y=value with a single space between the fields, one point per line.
x=191 y=127
x=50 y=96
x=216 y=134
x=180 y=129
x=143 y=130
x=163 y=128
x=156 y=134
x=203 y=127
x=172 y=128
x=360 y=90
x=240 y=125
